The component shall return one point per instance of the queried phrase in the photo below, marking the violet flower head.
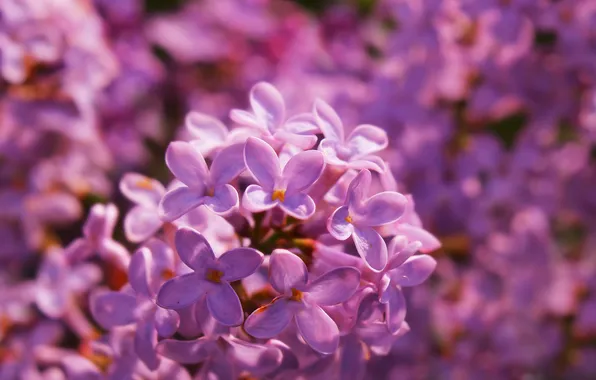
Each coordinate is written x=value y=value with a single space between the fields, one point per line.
x=403 y=269
x=269 y=116
x=211 y=277
x=208 y=134
x=301 y=300
x=59 y=283
x=355 y=152
x=360 y=214
x=137 y=304
x=202 y=185
x=281 y=187
x=224 y=357
x=143 y=220
x=97 y=238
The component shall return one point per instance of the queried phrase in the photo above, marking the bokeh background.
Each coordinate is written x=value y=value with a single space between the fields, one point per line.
x=490 y=106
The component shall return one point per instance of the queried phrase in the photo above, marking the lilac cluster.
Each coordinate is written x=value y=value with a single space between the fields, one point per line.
x=245 y=264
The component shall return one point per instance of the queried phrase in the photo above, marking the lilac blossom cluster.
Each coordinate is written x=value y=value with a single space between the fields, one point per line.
x=274 y=253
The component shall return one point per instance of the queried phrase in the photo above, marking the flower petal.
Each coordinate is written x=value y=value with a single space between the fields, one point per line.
x=380 y=209
x=269 y=320
x=112 y=309
x=166 y=322
x=224 y=199
x=187 y=164
x=399 y=256
x=178 y=202
x=428 y=240
x=187 y=351
x=367 y=139
x=358 y=189
x=228 y=164
x=245 y=118
x=395 y=308
x=207 y=132
x=335 y=286
x=194 y=250
x=224 y=305
x=301 y=141
x=262 y=162
x=239 y=263
x=328 y=121
x=303 y=170
x=374 y=163
x=141 y=223
x=138 y=275
x=182 y=291
x=145 y=341
x=371 y=247
x=257 y=359
x=318 y=329
x=256 y=199
x=338 y=225
x=268 y=105
x=300 y=206
x=414 y=271
x=141 y=189
x=286 y=271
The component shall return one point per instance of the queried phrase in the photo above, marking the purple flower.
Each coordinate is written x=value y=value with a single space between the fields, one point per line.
x=209 y=134
x=403 y=269
x=137 y=305
x=355 y=152
x=302 y=301
x=360 y=214
x=202 y=186
x=211 y=277
x=410 y=226
x=120 y=352
x=97 y=232
x=143 y=220
x=269 y=116
x=280 y=188
x=60 y=283
x=225 y=357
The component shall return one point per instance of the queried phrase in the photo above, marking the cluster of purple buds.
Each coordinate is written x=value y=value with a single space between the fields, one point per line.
x=246 y=265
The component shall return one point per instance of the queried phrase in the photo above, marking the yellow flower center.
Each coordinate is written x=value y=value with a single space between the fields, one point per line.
x=214 y=275
x=145 y=184
x=349 y=219
x=278 y=195
x=296 y=295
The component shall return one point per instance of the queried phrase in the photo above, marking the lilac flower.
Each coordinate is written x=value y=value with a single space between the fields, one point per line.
x=410 y=225
x=360 y=214
x=225 y=357
x=210 y=278
x=60 y=284
x=137 y=305
x=357 y=151
x=143 y=220
x=403 y=269
x=302 y=301
x=269 y=116
x=97 y=238
x=119 y=351
x=280 y=188
x=202 y=186
x=209 y=134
